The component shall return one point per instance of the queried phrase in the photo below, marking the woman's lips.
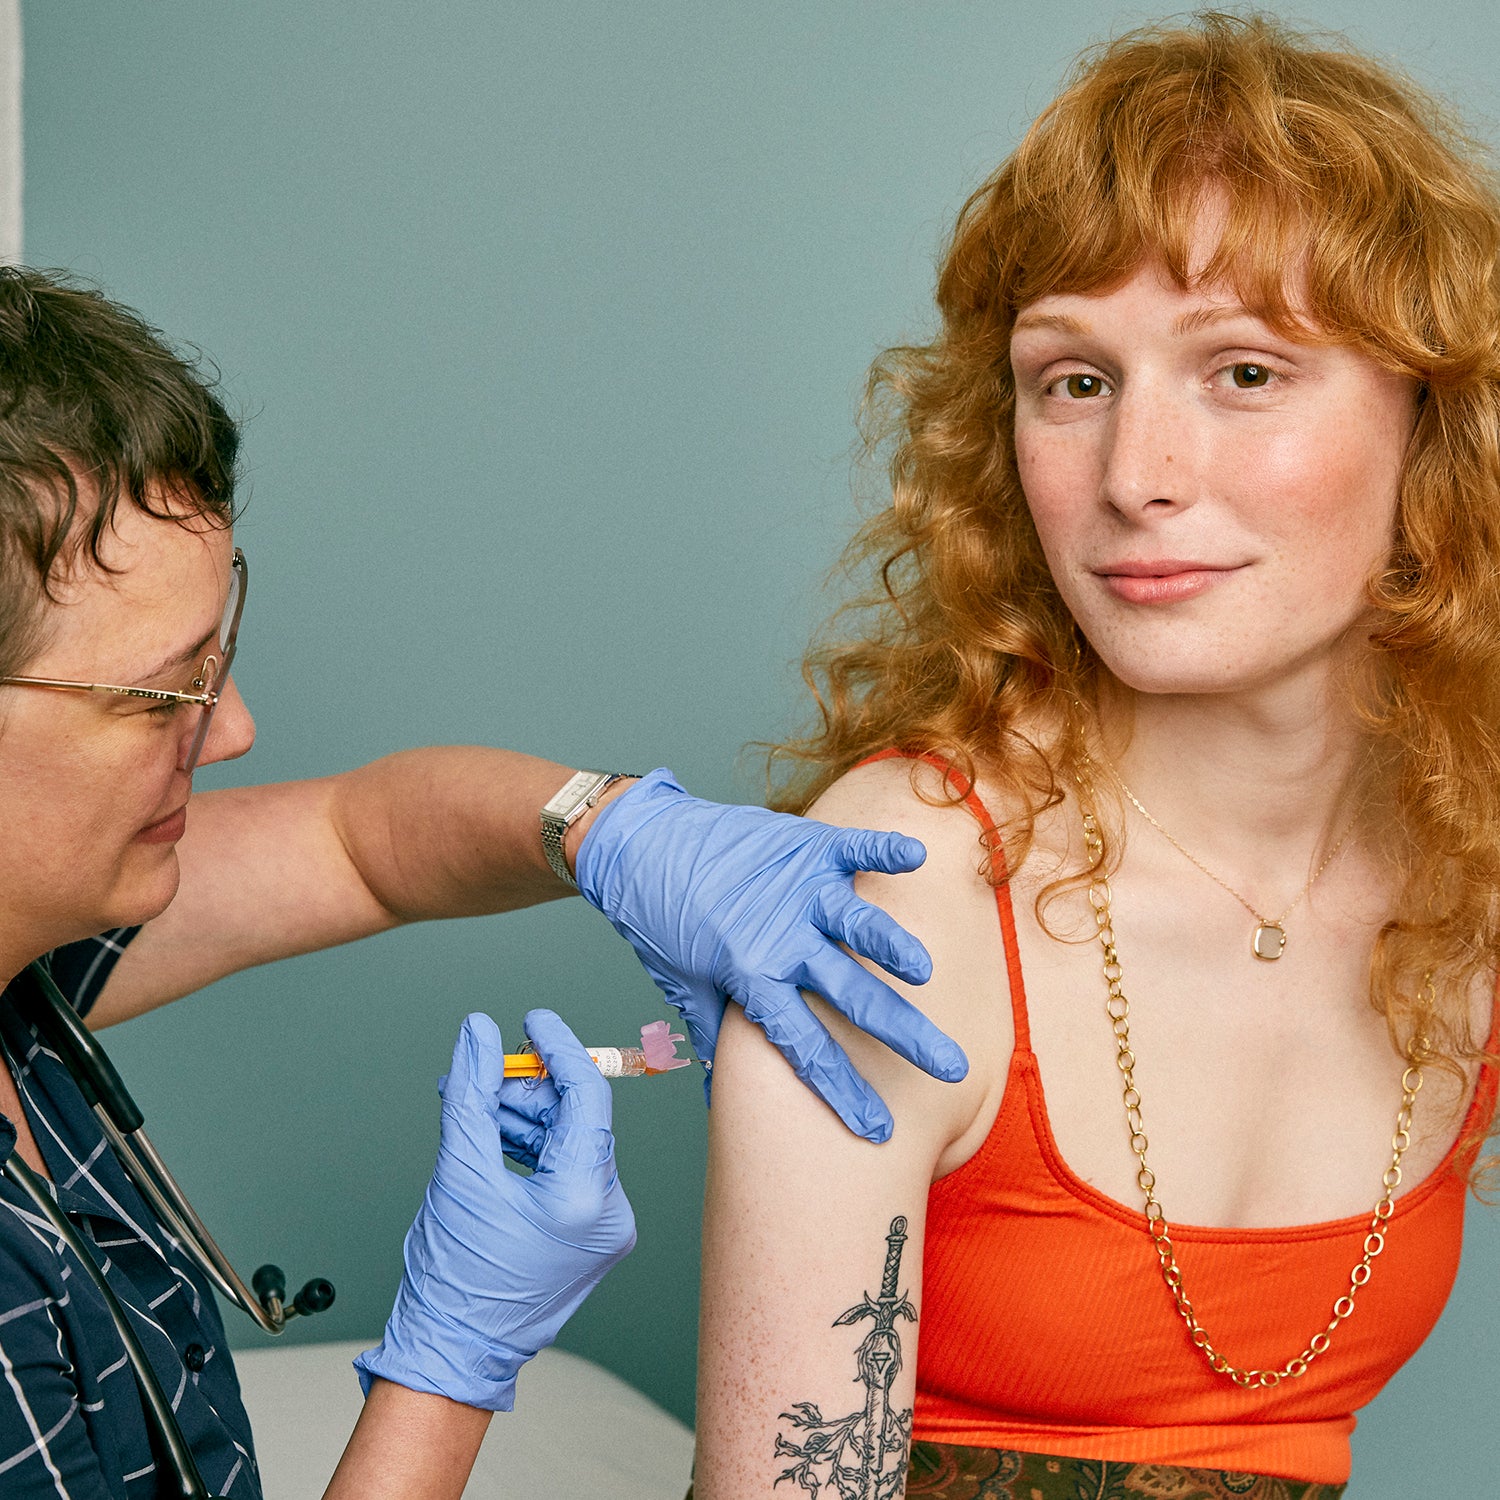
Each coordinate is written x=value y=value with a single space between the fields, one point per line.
x=167 y=831
x=1161 y=582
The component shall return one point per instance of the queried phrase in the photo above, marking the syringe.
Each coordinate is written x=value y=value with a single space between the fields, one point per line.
x=656 y=1054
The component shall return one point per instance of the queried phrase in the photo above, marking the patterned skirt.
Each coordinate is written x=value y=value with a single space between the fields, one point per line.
x=945 y=1471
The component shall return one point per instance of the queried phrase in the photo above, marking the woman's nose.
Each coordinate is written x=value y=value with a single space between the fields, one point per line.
x=231 y=732
x=1148 y=462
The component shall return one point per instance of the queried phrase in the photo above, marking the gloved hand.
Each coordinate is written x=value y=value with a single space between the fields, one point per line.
x=497 y=1262
x=738 y=903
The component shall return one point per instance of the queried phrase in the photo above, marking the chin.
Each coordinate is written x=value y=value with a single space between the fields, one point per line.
x=1218 y=674
x=1166 y=675
x=146 y=896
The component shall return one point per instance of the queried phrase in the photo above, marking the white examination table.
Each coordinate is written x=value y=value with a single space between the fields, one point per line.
x=577 y=1433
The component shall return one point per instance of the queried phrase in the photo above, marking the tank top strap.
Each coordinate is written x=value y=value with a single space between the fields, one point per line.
x=981 y=815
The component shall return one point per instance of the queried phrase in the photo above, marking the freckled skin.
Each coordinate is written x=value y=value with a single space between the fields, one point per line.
x=1286 y=477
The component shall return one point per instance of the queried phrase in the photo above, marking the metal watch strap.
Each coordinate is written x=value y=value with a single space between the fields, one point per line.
x=553 y=834
x=555 y=827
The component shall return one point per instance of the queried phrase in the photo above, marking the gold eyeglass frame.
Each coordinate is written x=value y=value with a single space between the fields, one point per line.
x=211 y=675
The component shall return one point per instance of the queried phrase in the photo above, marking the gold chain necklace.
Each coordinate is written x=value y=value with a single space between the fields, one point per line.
x=1268 y=941
x=1118 y=1009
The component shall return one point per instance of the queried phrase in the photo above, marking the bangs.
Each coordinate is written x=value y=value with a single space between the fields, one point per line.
x=1263 y=251
x=1348 y=208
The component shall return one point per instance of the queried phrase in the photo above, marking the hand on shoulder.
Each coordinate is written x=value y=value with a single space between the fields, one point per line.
x=948 y=905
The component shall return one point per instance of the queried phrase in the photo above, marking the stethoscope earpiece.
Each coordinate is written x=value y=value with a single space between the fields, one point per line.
x=269 y=1283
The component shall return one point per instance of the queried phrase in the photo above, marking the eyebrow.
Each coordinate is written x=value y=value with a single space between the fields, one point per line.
x=1188 y=322
x=1026 y=321
x=189 y=656
x=1206 y=317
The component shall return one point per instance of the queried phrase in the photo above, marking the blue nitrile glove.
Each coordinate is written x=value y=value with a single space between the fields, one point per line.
x=496 y=1262
x=738 y=903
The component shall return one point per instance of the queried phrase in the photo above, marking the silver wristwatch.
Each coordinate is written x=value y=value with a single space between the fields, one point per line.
x=581 y=792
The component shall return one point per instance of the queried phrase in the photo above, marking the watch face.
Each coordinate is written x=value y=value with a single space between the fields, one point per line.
x=577 y=787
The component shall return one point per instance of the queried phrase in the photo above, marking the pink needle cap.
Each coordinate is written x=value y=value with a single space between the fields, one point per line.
x=659 y=1043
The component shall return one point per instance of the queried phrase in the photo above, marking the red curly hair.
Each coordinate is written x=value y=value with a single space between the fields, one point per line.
x=1324 y=160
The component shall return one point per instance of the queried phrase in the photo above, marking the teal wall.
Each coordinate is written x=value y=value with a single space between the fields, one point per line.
x=549 y=322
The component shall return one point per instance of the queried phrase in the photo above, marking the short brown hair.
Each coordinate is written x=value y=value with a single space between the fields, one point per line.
x=92 y=398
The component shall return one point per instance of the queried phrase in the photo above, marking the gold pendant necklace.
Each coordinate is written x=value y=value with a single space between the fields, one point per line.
x=1268 y=941
x=1118 y=1009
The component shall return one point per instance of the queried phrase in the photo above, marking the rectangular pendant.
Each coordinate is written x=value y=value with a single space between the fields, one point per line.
x=1269 y=940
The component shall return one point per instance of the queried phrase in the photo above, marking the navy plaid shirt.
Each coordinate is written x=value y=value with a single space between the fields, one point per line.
x=71 y=1420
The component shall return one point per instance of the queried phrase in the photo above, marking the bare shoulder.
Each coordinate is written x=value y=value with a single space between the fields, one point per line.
x=913 y=797
x=951 y=907
x=900 y=792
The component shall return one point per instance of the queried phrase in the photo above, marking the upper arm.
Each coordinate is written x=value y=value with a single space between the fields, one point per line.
x=811 y=1294
x=265 y=875
x=797 y=1219
x=269 y=871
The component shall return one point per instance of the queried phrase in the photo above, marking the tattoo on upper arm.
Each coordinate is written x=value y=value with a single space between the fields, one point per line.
x=864 y=1454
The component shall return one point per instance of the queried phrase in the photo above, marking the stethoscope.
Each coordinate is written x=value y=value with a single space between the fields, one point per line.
x=43 y=1005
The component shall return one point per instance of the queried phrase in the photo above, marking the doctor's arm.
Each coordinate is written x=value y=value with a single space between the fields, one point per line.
x=719 y=902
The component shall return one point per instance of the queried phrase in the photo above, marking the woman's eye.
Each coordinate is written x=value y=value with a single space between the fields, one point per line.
x=1080 y=387
x=1248 y=376
x=163 y=710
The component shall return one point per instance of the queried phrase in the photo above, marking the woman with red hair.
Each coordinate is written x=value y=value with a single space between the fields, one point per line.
x=1183 y=660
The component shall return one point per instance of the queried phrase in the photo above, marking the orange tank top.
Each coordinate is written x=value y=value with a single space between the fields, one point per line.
x=1046 y=1326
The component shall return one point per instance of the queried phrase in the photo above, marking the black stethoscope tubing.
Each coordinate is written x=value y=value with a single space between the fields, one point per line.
x=44 y=1006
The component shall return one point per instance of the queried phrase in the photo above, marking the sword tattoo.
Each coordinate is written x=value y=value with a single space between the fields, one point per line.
x=863 y=1454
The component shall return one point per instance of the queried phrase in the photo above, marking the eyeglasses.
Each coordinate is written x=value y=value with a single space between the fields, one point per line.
x=207 y=684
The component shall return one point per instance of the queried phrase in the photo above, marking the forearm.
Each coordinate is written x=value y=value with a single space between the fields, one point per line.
x=409 y=1445
x=453 y=831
